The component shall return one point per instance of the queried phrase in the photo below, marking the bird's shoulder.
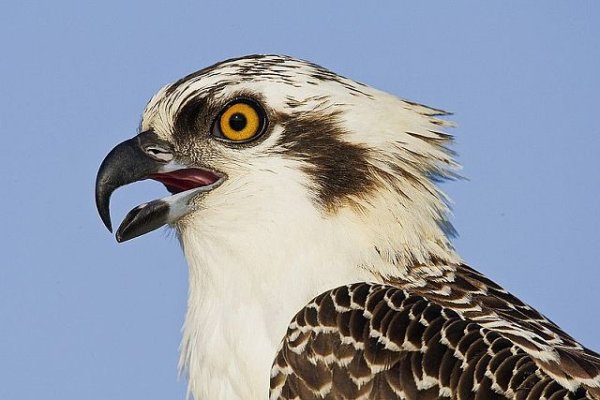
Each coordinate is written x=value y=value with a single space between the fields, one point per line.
x=455 y=335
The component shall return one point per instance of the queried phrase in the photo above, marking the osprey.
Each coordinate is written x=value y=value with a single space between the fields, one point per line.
x=301 y=195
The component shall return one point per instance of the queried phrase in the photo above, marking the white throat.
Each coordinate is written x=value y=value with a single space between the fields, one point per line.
x=246 y=283
x=256 y=257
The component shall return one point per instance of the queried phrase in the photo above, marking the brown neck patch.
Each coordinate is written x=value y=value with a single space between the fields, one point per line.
x=339 y=169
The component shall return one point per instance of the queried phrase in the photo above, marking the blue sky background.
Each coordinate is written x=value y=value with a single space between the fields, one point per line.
x=84 y=317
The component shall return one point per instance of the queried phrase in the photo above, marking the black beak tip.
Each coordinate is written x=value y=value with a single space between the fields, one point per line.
x=105 y=216
x=103 y=206
x=126 y=163
x=120 y=167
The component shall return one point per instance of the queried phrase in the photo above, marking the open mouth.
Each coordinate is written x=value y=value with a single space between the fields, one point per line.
x=146 y=156
x=183 y=180
x=184 y=185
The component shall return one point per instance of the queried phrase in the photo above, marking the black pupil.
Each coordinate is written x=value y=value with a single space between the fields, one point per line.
x=237 y=122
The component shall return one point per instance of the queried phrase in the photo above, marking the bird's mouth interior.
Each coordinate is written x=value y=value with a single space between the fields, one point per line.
x=182 y=180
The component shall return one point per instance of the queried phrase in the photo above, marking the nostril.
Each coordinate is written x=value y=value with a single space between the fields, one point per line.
x=159 y=153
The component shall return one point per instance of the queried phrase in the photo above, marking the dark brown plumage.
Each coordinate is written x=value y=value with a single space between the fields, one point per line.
x=459 y=336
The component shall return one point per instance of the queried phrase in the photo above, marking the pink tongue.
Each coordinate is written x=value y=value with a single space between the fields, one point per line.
x=185 y=179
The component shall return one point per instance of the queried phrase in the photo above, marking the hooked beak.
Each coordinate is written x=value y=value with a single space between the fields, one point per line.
x=146 y=156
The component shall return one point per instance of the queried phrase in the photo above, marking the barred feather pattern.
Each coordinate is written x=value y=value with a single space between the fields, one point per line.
x=455 y=335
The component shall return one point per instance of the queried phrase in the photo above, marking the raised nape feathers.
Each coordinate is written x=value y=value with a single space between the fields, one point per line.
x=358 y=148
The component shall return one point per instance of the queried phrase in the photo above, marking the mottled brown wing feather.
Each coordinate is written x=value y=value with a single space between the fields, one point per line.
x=478 y=299
x=373 y=341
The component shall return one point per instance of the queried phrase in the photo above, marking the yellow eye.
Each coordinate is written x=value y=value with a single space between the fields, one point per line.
x=239 y=122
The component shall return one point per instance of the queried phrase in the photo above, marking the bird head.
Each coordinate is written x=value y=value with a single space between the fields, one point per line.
x=259 y=141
